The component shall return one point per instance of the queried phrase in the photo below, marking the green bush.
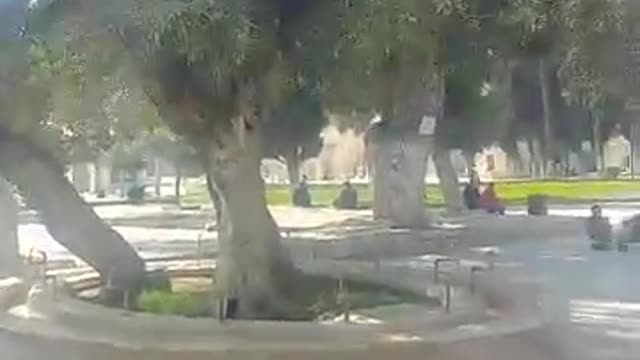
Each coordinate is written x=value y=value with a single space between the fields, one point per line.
x=168 y=303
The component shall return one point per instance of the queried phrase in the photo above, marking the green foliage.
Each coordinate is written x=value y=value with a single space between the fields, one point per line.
x=294 y=127
x=386 y=46
x=195 y=59
x=169 y=303
x=595 y=31
x=200 y=60
x=470 y=119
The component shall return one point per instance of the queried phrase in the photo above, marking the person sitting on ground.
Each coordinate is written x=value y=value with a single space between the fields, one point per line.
x=489 y=201
x=598 y=227
x=471 y=193
x=348 y=198
x=301 y=195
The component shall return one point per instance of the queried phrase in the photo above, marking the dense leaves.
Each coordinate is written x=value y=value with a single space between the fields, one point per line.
x=359 y=57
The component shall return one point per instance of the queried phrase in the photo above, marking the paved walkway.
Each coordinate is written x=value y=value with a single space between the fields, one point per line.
x=590 y=294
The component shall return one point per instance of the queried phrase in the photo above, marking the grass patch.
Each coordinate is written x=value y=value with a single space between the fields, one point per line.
x=324 y=300
x=189 y=304
x=512 y=193
x=315 y=297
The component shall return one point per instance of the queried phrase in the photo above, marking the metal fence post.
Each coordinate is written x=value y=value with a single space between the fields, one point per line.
x=447 y=297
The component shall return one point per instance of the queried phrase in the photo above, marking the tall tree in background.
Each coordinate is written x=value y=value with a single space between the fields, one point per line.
x=293 y=131
x=165 y=145
x=387 y=65
x=470 y=117
x=398 y=62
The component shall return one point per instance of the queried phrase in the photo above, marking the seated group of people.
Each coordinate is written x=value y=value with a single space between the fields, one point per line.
x=347 y=200
x=487 y=200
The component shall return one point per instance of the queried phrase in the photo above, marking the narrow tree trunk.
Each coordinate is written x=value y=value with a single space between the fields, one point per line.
x=68 y=218
x=178 y=184
x=292 y=161
x=157 y=178
x=449 y=183
x=547 y=145
x=123 y=184
x=597 y=142
x=401 y=144
x=10 y=250
x=253 y=267
x=215 y=199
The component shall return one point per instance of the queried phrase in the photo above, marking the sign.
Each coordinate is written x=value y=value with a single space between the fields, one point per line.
x=427 y=126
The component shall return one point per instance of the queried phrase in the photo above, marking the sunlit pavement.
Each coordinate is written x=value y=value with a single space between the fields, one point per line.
x=593 y=296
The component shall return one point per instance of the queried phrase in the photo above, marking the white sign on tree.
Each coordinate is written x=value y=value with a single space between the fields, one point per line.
x=427 y=125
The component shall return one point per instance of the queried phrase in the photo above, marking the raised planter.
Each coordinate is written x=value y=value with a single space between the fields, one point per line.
x=54 y=314
x=13 y=291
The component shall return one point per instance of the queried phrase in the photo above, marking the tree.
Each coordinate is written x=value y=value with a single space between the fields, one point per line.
x=27 y=142
x=563 y=63
x=292 y=131
x=387 y=65
x=215 y=70
x=403 y=61
x=470 y=117
x=164 y=144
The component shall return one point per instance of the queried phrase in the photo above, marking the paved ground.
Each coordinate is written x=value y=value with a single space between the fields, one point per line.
x=592 y=296
x=591 y=299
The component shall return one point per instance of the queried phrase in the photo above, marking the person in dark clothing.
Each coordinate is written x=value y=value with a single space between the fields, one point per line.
x=471 y=193
x=301 y=195
x=598 y=227
x=348 y=198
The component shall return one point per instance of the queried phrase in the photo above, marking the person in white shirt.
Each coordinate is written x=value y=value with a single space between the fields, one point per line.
x=617 y=150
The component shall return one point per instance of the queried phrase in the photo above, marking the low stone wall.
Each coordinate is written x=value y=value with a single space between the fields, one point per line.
x=500 y=304
x=13 y=291
x=56 y=315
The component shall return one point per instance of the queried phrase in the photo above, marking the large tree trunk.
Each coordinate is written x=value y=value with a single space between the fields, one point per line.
x=68 y=218
x=292 y=161
x=253 y=268
x=449 y=183
x=400 y=165
x=10 y=250
x=400 y=146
